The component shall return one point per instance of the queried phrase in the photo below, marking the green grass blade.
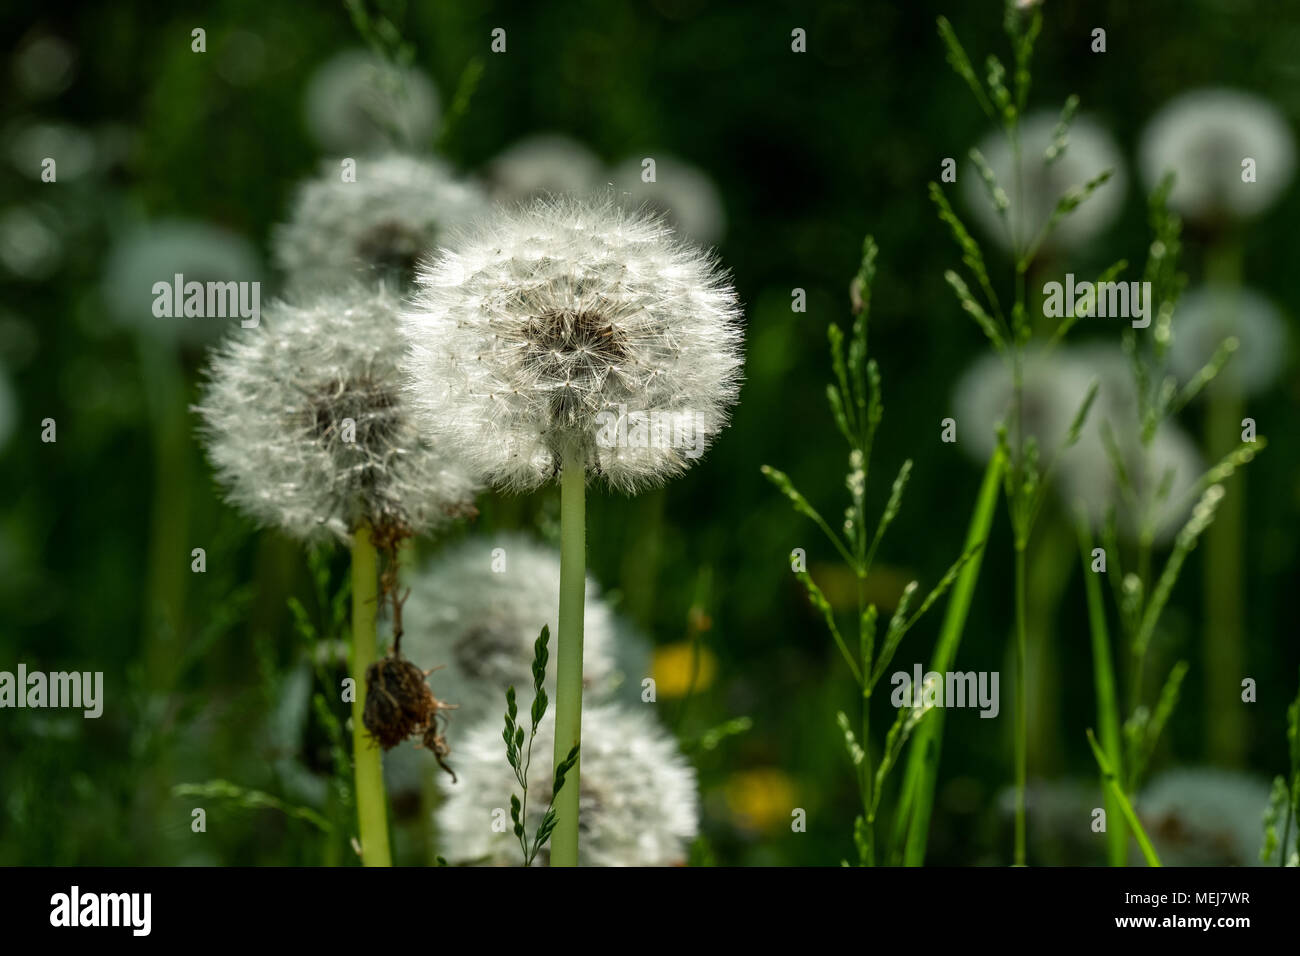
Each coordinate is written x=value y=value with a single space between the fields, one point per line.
x=1117 y=792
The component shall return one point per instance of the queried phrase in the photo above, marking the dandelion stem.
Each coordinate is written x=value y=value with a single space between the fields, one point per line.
x=1022 y=700
x=568 y=702
x=372 y=815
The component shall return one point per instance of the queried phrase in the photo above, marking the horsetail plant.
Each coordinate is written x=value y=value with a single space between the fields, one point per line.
x=1142 y=493
x=571 y=338
x=1026 y=480
x=855 y=401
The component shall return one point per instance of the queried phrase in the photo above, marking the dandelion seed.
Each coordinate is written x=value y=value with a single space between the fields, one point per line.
x=639 y=798
x=1202 y=137
x=396 y=212
x=308 y=429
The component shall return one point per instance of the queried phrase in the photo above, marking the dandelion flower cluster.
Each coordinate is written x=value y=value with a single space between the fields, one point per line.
x=1203 y=137
x=544 y=335
x=638 y=796
x=379 y=226
x=307 y=427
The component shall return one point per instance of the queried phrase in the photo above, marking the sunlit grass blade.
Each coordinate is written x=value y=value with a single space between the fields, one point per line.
x=1117 y=792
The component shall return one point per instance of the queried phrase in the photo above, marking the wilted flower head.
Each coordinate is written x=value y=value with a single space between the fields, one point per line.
x=638 y=801
x=1207 y=316
x=308 y=429
x=1205 y=817
x=379 y=226
x=1202 y=137
x=571 y=328
x=683 y=193
x=544 y=164
x=158 y=252
x=1089 y=152
x=357 y=103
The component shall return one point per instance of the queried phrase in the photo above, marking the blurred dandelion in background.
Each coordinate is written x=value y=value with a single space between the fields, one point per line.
x=639 y=799
x=1199 y=816
x=1089 y=151
x=544 y=164
x=682 y=192
x=357 y=103
x=398 y=210
x=1209 y=315
x=1202 y=137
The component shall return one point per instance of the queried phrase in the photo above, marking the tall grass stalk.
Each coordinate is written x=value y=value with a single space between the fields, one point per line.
x=916 y=800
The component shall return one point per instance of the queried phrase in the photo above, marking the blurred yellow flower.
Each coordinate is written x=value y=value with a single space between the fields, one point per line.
x=674 y=665
x=761 y=798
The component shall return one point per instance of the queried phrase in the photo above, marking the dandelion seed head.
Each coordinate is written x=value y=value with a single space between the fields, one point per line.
x=1205 y=817
x=1207 y=316
x=307 y=427
x=357 y=104
x=681 y=192
x=1090 y=151
x=532 y=334
x=396 y=212
x=544 y=164
x=1202 y=137
x=638 y=799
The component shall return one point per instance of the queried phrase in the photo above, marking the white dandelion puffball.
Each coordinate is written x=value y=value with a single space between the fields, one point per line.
x=681 y=192
x=1205 y=817
x=638 y=800
x=308 y=429
x=379 y=226
x=474 y=614
x=158 y=252
x=1203 y=137
x=1163 y=475
x=356 y=103
x=1090 y=151
x=1054 y=386
x=567 y=328
x=1206 y=316
x=545 y=164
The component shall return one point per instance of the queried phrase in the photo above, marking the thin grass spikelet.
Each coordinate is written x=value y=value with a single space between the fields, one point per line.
x=377 y=227
x=307 y=426
x=574 y=329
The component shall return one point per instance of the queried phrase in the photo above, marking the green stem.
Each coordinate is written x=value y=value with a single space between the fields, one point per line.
x=372 y=814
x=568 y=686
x=1107 y=699
x=1022 y=700
x=917 y=795
x=1117 y=792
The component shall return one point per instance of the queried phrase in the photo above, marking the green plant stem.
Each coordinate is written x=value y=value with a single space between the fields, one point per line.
x=1022 y=700
x=372 y=814
x=917 y=795
x=1107 y=698
x=1116 y=791
x=568 y=685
